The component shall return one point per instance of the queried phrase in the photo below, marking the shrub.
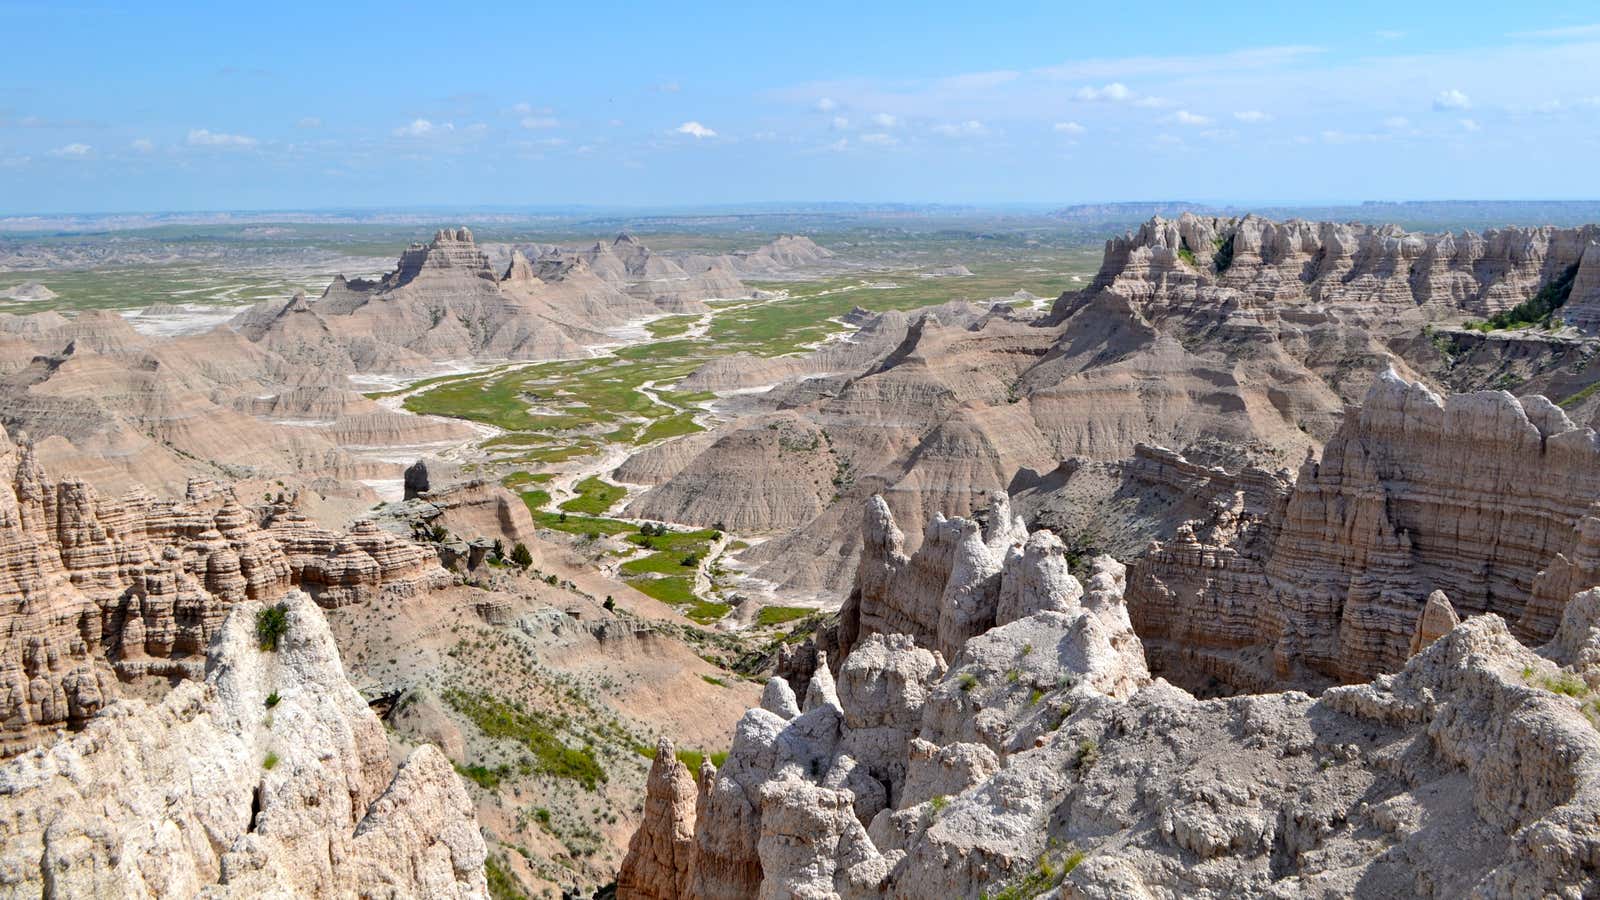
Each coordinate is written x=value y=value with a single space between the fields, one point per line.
x=272 y=699
x=271 y=624
x=610 y=604
x=937 y=804
x=270 y=761
x=1088 y=754
x=439 y=534
x=1540 y=307
x=521 y=555
x=968 y=681
x=1223 y=258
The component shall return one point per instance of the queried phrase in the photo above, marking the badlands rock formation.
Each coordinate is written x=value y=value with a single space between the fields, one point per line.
x=119 y=408
x=1234 y=342
x=1044 y=760
x=1482 y=496
x=269 y=778
x=95 y=590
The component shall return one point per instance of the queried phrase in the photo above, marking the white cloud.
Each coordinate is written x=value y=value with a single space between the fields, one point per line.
x=840 y=123
x=880 y=139
x=1069 y=128
x=539 y=122
x=884 y=120
x=1184 y=117
x=1470 y=125
x=839 y=146
x=1451 y=99
x=142 y=145
x=200 y=137
x=969 y=128
x=695 y=130
x=826 y=104
x=1115 y=92
x=1397 y=122
x=1388 y=34
x=72 y=151
x=309 y=122
x=423 y=128
x=1252 y=116
x=528 y=109
x=1152 y=103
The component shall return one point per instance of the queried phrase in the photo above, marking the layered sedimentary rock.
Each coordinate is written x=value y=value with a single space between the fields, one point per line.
x=1234 y=342
x=1482 y=496
x=1036 y=764
x=269 y=778
x=1388 y=277
x=96 y=589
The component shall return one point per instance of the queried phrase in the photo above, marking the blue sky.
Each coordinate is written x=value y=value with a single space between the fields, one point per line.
x=172 y=106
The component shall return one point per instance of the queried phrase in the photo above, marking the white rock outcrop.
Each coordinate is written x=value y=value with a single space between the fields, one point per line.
x=271 y=778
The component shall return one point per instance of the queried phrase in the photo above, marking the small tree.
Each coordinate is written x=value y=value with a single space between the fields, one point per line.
x=610 y=604
x=499 y=549
x=439 y=533
x=521 y=556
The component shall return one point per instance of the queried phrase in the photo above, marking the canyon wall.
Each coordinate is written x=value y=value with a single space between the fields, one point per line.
x=96 y=590
x=1483 y=496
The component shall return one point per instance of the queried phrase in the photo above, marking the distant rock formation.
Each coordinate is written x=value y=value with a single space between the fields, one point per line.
x=1386 y=277
x=95 y=590
x=269 y=778
x=1234 y=342
x=28 y=292
x=1041 y=762
x=1484 y=497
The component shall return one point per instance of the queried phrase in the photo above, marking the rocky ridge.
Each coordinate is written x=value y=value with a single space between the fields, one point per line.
x=1044 y=760
x=1321 y=578
x=99 y=590
x=270 y=777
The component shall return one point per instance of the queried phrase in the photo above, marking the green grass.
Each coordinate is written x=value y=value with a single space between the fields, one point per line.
x=486 y=778
x=675 y=590
x=679 y=591
x=536 y=499
x=671 y=326
x=595 y=497
x=779 y=615
x=580 y=524
x=498 y=718
x=662 y=562
x=1580 y=396
x=713 y=680
x=690 y=758
x=501 y=885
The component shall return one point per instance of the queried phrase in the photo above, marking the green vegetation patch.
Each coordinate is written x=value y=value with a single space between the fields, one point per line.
x=498 y=718
x=1538 y=309
x=595 y=496
x=779 y=615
